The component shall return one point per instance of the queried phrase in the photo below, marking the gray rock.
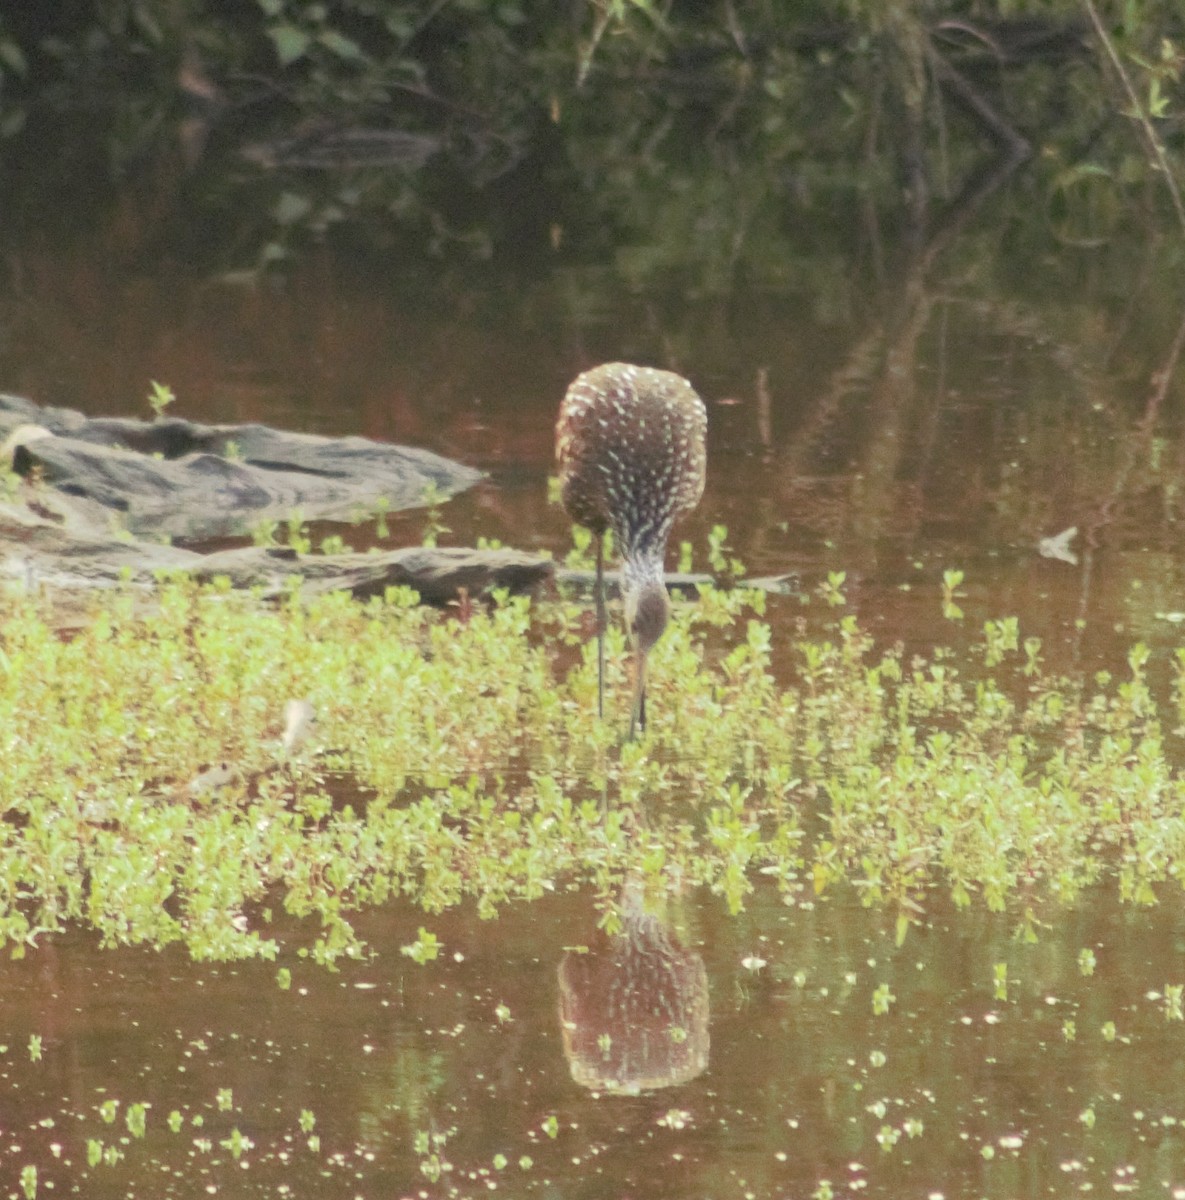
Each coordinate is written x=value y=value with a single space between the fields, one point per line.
x=184 y=480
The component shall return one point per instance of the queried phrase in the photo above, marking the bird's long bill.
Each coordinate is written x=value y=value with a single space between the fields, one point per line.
x=601 y=626
x=638 y=706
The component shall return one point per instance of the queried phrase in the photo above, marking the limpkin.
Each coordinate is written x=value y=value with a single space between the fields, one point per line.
x=630 y=445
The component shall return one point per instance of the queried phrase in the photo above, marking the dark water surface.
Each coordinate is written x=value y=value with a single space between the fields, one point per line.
x=964 y=1063
x=950 y=413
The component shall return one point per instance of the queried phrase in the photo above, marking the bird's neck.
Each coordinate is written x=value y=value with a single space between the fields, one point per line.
x=641 y=571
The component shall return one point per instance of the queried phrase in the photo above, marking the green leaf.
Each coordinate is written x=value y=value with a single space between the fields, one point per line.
x=13 y=57
x=339 y=44
x=291 y=208
x=902 y=928
x=291 y=43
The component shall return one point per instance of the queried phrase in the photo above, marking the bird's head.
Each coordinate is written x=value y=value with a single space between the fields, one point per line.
x=647 y=609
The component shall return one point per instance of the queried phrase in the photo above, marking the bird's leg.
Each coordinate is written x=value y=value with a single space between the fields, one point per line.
x=638 y=706
x=601 y=626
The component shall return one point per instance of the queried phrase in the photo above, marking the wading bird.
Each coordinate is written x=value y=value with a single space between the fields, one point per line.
x=630 y=445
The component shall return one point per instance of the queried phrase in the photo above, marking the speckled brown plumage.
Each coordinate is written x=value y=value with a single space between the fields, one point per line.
x=630 y=445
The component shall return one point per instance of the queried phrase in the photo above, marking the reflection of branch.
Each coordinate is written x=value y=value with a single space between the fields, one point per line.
x=1142 y=435
x=1015 y=320
x=885 y=358
x=978 y=186
x=863 y=366
x=1138 y=109
x=871 y=151
x=1136 y=446
x=977 y=105
x=859 y=369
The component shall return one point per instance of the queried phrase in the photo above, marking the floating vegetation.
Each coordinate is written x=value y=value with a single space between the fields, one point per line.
x=152 y=792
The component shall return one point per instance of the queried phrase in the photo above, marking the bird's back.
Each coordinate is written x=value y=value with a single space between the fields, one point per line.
x=630 y=444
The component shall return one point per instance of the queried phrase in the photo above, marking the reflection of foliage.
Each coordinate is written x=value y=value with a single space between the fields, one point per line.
x=12 y=64
x=687 y=136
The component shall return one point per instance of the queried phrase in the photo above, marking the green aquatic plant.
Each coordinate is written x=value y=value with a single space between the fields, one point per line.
x=432 y=499
x=580 y=557
x=298 y=533
x=136 y=1119
x=334 y=544
x=160 y=396
x=424 y=949
x=382 y=506
x=951 y=581
x=460 y=758
x=264 y=533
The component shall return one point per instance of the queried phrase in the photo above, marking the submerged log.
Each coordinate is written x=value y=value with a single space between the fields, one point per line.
x=50 y=544
x=58 y=550
x=180 y=479
x=586 y=581
x=439 y=574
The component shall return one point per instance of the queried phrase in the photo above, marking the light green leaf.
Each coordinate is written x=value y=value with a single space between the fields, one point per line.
x=291 y=43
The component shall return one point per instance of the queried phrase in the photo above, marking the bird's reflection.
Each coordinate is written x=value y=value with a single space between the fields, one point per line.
x=634 y=1006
